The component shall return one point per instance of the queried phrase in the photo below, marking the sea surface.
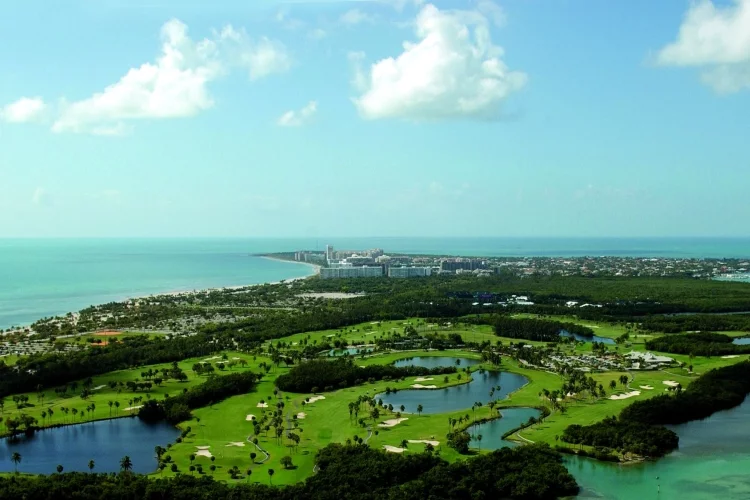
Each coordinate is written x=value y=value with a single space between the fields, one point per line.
x=46 y=277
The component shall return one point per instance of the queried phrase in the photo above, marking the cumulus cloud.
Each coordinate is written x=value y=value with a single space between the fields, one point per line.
x=452 y=71
x=24 y=110
x=174 y=86
x=717 y=40
x=300 y=117
x=354 y=17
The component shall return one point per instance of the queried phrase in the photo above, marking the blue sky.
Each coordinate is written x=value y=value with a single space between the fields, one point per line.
x=388 y=118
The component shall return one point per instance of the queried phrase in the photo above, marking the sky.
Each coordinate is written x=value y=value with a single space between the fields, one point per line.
x=264 y=118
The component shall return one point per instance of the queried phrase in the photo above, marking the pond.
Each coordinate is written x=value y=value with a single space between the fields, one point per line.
x=437 y=361
x=492 y=431
x=712 y=462
x=583 y=338
x=105 y=442
x=459 y=397
x=742 y=341
x=351 y=351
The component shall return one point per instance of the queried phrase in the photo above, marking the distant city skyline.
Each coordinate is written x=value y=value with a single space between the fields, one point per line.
x=523 y=118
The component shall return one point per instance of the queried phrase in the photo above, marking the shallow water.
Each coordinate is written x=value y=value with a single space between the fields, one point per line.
x=583 y=338
x=742 y=341
x=459 y=397
x=105 y=442
x=492 y=431
x=437 y=361
x=713 y=462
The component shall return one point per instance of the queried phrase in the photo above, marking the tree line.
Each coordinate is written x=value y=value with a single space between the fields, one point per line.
x=640 y=427
x=697 y=344
x=536 y=329
x=323 y=375
x=345 y=471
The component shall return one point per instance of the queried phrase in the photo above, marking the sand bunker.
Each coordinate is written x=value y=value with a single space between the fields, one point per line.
x=236 y=358
x=213 y=358
x=647 y=387
x=107 y=333
x=420 y=386
x=425 y=441
x=99 y=387
x=130 y=408
x=315 y=398
x=301 y=414
x=236 y=443
x=423 y=379
x=262 y=405
x=626 y=395
x=670 y=383
x=731 y=356
x=393 y=449
x=250 y=417
x=392 y=422
x=203 y=453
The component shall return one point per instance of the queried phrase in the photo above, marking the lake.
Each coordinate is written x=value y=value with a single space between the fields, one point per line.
x=459 y=397
x=352 y=351
x=583 y=338
x=105 y=442
x=437 y=361
x=742 y=341
x=492 y=431
x=712 y=462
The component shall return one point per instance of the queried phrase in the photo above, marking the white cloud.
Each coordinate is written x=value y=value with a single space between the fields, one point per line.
x=298 y=118
x=716 y=39
x=176 y=85
x=453 y=71
x=354 y=17
x=24 y=110
x=317 y=34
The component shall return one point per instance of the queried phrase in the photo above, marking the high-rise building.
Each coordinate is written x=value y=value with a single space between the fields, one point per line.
x=408 y=272
x=351 y=272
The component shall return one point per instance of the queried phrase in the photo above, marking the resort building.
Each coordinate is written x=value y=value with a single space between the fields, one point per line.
x=351 y=272
x=408 y=272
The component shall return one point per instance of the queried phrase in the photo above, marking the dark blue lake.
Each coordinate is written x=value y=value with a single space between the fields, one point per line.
x=458 y=397
x=352 y=351
x=583 y=338
x=437 y=361
x=105 y=442
x=492 y=431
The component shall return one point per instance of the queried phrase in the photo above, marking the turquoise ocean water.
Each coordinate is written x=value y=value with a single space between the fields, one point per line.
x=44 y=277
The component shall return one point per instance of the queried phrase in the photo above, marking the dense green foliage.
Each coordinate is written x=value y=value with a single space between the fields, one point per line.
x=639 y=429
x=697 y=323
x=352 y=472
x=627 y=437
x=53 y=369
x=217 y=388
x=697 y=344
x=324 y=375
x=537 y=329
x=719 y=389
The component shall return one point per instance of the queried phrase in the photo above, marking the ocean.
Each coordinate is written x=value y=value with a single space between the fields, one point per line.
x=46 y=277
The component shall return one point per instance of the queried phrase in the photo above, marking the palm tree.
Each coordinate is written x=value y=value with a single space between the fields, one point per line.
x=59 y=469
x=91 y=465
x=270 y=476
x=419 y=409
x=117 y=406
x=479 y=441
x=404 y=444
x=16 y=459
x=125 y=464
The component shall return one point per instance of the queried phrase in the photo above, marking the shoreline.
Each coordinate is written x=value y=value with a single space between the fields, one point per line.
x=315 y=270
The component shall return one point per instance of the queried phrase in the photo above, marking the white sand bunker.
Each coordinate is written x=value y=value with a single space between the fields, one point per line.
x=236 y=443
x=100 y=387
x=731 y=356
x=315 y=398
x=626 y=395
x=130 y=408
x=393 y=449
x=301 y=414
x=250 y=417
x=262 y=405
x=236 y=358
x=647 y=387
x=392 y=422
x=203 y=453
x=423 y=379
x=425 y=441
x=671 y=383
x=420 y=386
x=213 y=358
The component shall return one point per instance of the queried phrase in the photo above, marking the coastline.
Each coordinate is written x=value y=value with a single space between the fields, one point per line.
x=314 y=271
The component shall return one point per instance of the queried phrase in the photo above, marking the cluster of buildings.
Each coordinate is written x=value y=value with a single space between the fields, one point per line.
x=368 y=264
